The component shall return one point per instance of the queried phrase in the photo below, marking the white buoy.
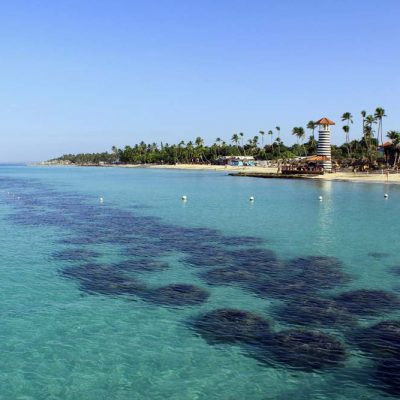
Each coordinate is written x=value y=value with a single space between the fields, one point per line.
x=251 y=198
x=101 y=200
x=184 y=198
x=385 y=195
x=320 y=198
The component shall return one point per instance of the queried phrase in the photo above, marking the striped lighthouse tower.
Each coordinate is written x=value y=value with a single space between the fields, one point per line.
x=324 y=142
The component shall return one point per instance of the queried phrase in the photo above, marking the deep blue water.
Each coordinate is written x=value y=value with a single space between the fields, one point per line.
x=144 y=296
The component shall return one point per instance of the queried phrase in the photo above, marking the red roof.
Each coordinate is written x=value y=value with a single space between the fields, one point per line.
x=317 y=158
x=324 y=121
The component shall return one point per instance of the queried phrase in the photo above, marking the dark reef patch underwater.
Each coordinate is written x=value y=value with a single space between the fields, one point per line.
x=307 y=292
x=303 y=349
x=315 y=311
x=381 y=342
x=230 y=326
x=368 y=302
x=103 y=279
x=317 y=271
x=299 y=349
x=177 y=294
x=142 y=265
x=75 y=254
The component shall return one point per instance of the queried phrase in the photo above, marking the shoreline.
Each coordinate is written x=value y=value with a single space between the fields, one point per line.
x=255 y=172
x=336 y=177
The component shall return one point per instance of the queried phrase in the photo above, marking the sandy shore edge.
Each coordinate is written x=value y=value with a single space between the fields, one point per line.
x=339 y=176
x=377 y=177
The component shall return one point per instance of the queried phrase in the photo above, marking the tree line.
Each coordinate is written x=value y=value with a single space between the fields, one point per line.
x=266 y=145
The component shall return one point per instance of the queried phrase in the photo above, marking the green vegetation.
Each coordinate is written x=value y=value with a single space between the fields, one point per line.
x=351 y=152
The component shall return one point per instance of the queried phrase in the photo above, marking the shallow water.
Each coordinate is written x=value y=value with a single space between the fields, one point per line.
x=86 y=287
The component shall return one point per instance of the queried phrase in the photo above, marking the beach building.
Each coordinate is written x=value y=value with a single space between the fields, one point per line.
x=236 y=161
x=385 y=148
x=317 y=164
x=391 y=152
x=305 y=166
x=324 y=142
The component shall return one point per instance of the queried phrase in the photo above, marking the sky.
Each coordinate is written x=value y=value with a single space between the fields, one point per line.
x=84 y=75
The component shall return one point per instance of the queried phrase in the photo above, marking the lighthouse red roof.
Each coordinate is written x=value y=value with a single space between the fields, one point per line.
x=324 y=121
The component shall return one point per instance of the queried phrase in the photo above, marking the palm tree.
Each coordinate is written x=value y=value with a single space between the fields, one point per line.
x=301 y=134
x=278 y=129
x=295 y=133
x=254 y=144
x=217 y=144
x=189 y=148
x=349 y=119
x=394 y=136
x=262 y=133
x=115 y=153
x=298 y=131
x=312 y=143
x=369 y=132
x=311 y=125
x=251 y=145
x=363 y=115
x=199 y=142
x=346 y=130
x=180 y=145
x=278 y=141
x=379 y=114
x=235 y=140
x=370 y=119
x=255 y=140
x=241 y=134
x=271 y=133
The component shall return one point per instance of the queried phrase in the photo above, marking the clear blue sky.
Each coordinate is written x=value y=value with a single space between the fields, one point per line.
x=83 y=75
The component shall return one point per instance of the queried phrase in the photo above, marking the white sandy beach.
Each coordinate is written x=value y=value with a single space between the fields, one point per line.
x=338 y=176
x=376 y=177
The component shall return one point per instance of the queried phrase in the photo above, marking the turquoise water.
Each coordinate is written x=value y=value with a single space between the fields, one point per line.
x=66 y=334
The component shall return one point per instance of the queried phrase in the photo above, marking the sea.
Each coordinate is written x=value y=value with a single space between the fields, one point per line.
x=113 y=287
